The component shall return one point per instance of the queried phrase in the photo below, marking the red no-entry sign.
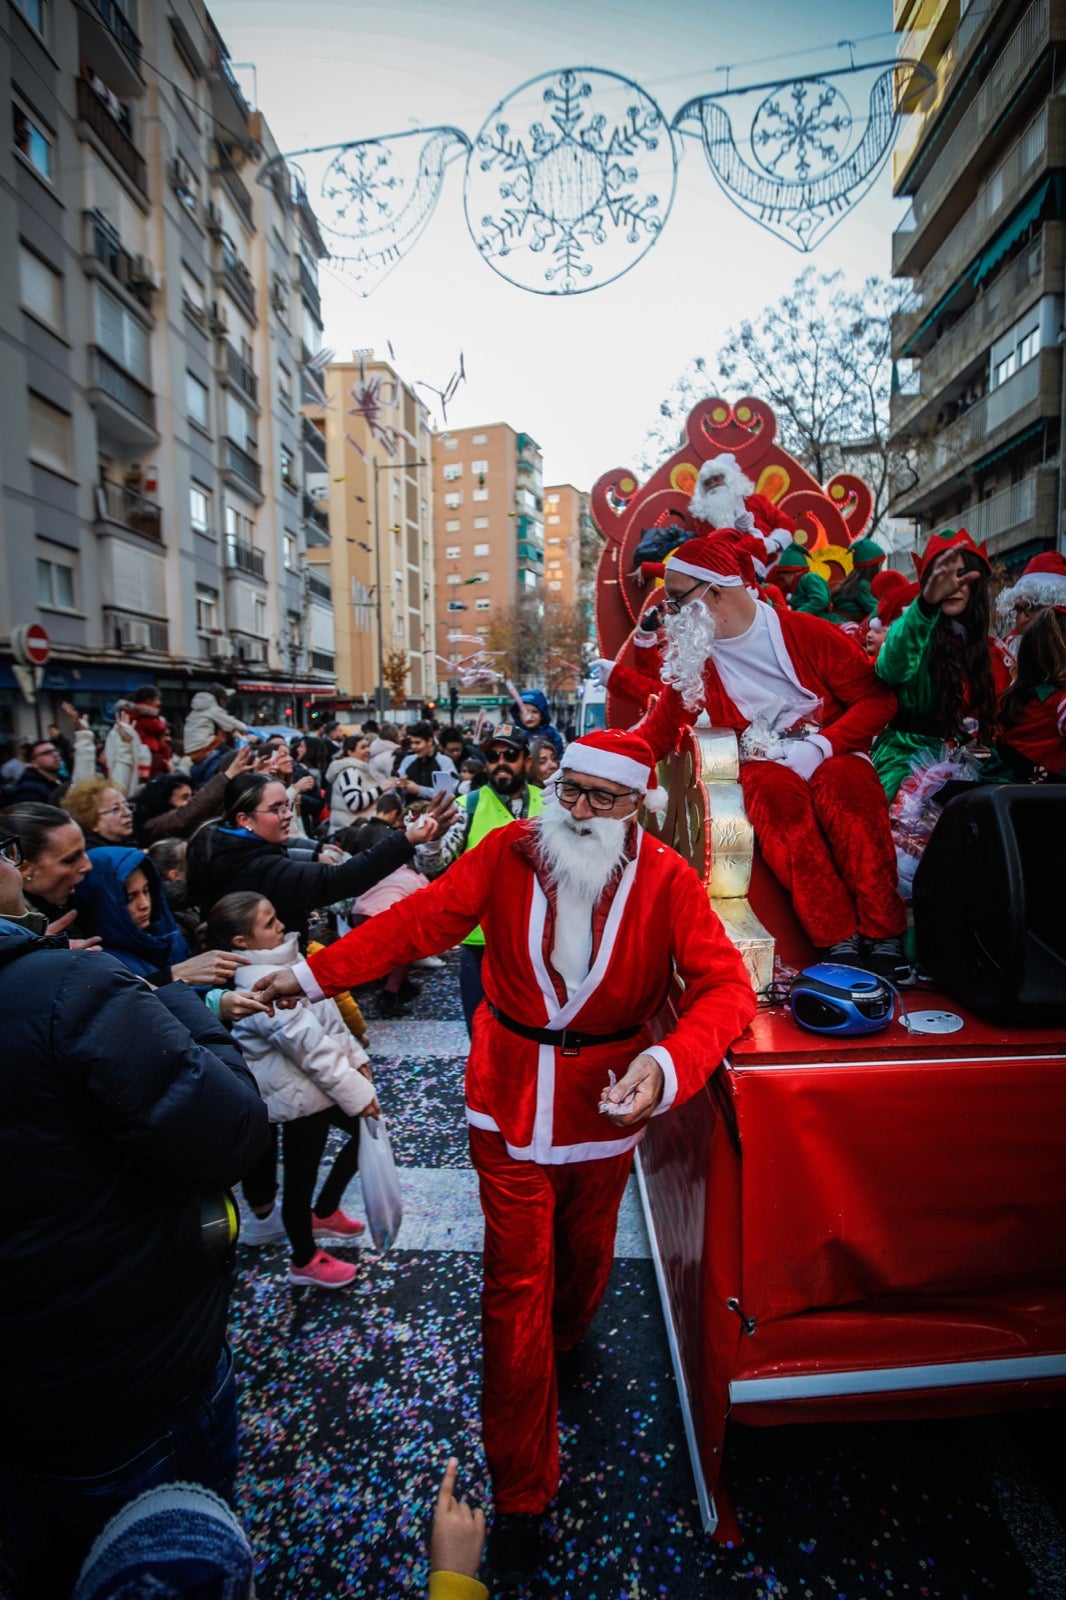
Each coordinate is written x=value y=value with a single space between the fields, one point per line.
x=30 y=644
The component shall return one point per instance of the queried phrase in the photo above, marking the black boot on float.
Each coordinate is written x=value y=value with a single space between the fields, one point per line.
x=514 y=1545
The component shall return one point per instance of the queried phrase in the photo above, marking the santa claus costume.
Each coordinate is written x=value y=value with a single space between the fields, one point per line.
x=813 y=799
x=1042 y=584
x=574 y=974
x=1033 y=712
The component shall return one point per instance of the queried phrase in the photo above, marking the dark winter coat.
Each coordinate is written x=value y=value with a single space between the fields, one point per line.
x=538 y=700
x=233 y=858
x=33 y=785
x=101 y=902
x=121 y=1108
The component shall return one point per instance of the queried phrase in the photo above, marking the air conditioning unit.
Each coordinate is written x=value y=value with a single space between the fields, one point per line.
x=143 y=271
x=131 y=634
x=219 y=317
x=215 y=223
x=279 y=298
x=180 y=175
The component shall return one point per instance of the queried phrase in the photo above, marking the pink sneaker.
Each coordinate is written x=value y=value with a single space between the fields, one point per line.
x=338 y=1224
x=323 y=1272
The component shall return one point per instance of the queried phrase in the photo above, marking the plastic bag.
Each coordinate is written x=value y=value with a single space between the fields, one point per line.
x=381 y=1183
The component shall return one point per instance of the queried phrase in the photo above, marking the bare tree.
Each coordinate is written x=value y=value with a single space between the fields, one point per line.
x=821 y=357
x=542 y=640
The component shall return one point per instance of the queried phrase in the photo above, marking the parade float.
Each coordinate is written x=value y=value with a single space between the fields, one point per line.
x=854 y=1228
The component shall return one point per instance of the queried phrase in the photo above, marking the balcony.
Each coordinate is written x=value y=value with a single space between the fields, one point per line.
x=309 y=290
x=93 y=112
x=987 y=427
x=235 y=187
x=314 y=443
x=237 y=460
x=129 y=406
x=236 y=372
x=228 y=105
x=128 y=508
x=321 y=588
x=235 y=275
x=107 y=39
x=124 y=630
x=1019 y=514
x=244 y=557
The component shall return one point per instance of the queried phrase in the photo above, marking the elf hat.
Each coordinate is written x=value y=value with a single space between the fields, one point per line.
x=793 y=555
x=866 y=553
x=713 y=559
x=620 y=756
x=1043 y=583
x=949 y=540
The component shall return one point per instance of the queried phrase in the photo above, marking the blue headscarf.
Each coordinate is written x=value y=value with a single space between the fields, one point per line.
x=101 y=901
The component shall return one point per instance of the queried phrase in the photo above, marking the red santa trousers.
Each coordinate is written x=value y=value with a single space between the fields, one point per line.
x=549 y=1244
x=829 y=842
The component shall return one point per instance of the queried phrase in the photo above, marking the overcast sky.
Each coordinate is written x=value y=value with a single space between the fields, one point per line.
x=584 y=374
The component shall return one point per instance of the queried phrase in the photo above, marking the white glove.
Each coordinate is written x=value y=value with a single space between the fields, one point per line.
x=600 y=671
x=779 y=540
x=803 y=756
x=744 y=522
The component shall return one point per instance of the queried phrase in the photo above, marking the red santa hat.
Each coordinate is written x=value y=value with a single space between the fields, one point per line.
x=713 y=558
x=893 y=600
x=619 y=755
x=1043 y=583
x=957 y=540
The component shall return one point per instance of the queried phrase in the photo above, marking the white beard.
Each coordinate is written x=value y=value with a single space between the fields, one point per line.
x=690 y=639
x=580 y=856
x=720 y=507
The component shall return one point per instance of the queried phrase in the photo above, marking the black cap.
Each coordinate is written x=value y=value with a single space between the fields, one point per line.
x=508 y=733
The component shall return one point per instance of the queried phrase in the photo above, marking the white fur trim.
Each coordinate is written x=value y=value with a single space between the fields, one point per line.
x=306 y=979
x=480 y=1119
x=666 y=1061
x=645 y=641
x=656 y=801
x=720 y=580
x=1039 y=588
x=597 y=763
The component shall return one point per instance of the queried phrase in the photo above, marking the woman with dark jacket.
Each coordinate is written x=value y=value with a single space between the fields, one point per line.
x=170 y=808
x=247 y=851
x=127 y=1113
x=54 y=858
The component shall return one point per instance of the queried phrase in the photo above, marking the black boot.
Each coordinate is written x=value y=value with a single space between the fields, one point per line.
x=514 y=1545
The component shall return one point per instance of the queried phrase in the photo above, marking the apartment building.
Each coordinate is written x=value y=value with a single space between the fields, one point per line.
x=369 y=473
x=984 y=245
x=488 y=522
x=159 y=311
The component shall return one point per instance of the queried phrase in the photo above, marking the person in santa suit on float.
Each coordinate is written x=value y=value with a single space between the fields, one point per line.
x=806 y=704
x=724 y=500
x=587 y=920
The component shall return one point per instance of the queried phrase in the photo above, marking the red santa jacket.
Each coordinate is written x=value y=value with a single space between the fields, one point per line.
x=654 y=920
x=1040 y=732
x=854 y=704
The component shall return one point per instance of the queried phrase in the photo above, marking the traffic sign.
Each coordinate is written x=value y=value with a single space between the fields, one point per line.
x=30 y=644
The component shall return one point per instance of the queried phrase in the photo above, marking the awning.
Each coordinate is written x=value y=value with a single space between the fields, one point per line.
x=1009 y=234
x=287 y=688
x=1008 y=448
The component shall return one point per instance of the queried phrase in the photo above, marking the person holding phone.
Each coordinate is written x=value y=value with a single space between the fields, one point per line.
x=416 y=770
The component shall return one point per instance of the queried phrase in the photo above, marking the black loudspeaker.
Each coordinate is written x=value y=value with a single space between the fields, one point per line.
x=990 y=902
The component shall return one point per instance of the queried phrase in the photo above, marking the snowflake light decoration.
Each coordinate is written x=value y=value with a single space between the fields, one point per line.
x=369 y=402
x=570 y=181
x=801 y=140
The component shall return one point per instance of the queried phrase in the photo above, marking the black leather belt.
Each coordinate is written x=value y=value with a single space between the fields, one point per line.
x=566 y=1040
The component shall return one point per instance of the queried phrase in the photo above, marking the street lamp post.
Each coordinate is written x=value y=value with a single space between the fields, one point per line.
x=379 y=468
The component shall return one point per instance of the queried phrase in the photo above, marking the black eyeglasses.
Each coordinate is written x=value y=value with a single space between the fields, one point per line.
x=495 y=756
x=674 y=602
x=602 y=800
x=11 y=849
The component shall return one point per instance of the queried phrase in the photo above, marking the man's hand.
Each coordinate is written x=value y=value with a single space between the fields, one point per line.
x=458 y=1535
x=213 y=967
x=302 y=785
x=238 y=1003
x=241 y=762
x=94 y=944
x=277 y=986
x=645 y=1083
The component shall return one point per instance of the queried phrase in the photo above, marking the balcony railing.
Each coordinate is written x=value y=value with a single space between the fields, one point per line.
x=313 y=439
x=121 y=27
x=121 y=386
x=316 y=511
x=319 y=586
x=959 y=440
x=238 y=371
x=309 y=289
x=115 y=502
x=93 y=111
x=239 y=461
x=236 y=276
x=238 y=190
x=1003 y=511
x=244 y=557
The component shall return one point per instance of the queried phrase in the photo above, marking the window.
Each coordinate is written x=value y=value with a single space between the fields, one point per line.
x=33 y=11
x=554 y=585
x=477 y=467
x=552 y=519
x=481 y=577
x=453 y=470
x=50 y=438
x=553 y=541
x=481 y=522
x=240 y=423
x=206 y=610
x=192 y=295
x=259 y=616
x=285 y=386
x=454 y=500
x=482 y=605
x=481 y=549
x=288 y=468
x=447 y=442
x=451 y=552
x=196 y=401
x=452 y=525
x=479 y=438
x=33 y=141
x=40 y=290
x=291 y=551
x=200 y=509
x=480 y=494
x=453 y=578
x=528 y=580
x=121 y=335
x=552 y=499
x=55 y=581
x=454 y=634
